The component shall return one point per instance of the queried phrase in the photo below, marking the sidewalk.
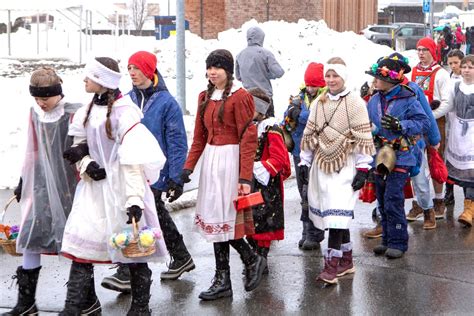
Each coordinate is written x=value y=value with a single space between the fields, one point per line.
x=435 y=277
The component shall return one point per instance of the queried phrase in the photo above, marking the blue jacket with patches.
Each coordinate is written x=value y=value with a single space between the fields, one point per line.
x=400 y=102
x=433 y=132
x=164 y=118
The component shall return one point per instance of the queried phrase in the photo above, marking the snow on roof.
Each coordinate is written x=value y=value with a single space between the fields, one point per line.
x=53 y=5
x=382 y=4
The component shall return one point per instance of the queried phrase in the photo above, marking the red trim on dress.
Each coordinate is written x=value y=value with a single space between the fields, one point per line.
x=80 y=260
x=128 y=130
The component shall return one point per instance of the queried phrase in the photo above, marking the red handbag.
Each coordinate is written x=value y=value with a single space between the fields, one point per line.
x=438 y=169
x=244 y=224
x=367 y=193
x=408 y=190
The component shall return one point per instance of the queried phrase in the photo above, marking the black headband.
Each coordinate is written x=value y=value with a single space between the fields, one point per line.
x=46 y=92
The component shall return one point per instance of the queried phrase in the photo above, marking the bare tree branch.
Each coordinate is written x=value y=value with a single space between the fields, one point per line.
x=139 y=8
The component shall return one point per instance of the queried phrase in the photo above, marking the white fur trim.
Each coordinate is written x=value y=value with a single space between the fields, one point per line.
x=102 y=75
x=341 y=70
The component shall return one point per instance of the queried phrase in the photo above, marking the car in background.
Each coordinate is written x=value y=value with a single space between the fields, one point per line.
x=408 y=33
x=377 y=29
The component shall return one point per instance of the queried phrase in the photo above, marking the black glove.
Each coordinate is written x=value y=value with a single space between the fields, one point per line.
x=185 y=175
x=435 y=104
x=359 y=180
x=134 y=211
x=76 y=153
x=303 y=174
x=371 y=176
x=95 y=171
x=364 y=90
x=391 y=123
x=175 y=190
x=294 y=112
x=18 y=189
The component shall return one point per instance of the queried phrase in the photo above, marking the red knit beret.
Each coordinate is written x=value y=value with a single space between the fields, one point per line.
x=430 y=44
x=313 y=75
x=144 y=61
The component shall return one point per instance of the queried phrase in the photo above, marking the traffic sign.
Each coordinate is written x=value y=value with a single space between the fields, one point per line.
x=426 y=6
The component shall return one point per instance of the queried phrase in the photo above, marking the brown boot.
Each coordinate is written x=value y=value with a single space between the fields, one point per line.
x=375 y=232
x=331 y=262
x=415 y=213
x=439 y=208
x=430 y=219
x=468 y=213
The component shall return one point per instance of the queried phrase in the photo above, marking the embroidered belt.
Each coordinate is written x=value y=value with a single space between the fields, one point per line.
x=399 y=143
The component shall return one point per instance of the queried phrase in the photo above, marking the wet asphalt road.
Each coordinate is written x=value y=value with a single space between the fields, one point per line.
x=435 y=277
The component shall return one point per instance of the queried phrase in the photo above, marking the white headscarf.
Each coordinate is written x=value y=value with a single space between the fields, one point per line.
x=341 y=70
x=102 y=75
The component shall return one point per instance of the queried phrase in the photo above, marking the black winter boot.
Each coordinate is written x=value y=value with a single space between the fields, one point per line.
x=78 y=285
x=221 y=286
x=449 y=195
x=254 y=272
x=140 y=279
x=263 y=251
x=27 y=281
x=91 y=305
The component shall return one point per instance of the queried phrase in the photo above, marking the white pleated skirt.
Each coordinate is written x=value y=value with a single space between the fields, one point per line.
x=331 y=198
x=218 y=181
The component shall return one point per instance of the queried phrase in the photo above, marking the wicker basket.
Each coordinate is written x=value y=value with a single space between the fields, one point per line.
x=9 y=245
x=133 y=250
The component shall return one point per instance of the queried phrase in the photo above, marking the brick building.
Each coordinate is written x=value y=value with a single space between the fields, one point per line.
x=209 y=17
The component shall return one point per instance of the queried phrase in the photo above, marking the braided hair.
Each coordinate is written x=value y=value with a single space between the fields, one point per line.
x=210 y=90
x=111 y=95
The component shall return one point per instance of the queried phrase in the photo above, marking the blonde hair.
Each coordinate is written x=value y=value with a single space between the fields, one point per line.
x=333 y=60
x=45 y=77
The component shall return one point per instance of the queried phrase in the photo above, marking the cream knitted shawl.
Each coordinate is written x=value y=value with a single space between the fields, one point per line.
x=337 y=128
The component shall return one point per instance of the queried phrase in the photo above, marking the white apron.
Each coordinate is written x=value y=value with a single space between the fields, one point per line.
x=331 y=198
x=218 y=181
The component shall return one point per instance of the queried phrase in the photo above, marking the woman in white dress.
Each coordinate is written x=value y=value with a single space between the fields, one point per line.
x=117 y=158
x=460 y=144
x=337 y=145
x=227 y=141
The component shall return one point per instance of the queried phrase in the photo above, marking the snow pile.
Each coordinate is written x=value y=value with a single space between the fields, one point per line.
x=293 y=44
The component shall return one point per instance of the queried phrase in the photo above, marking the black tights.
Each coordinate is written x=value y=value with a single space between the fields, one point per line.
x=338 y=237
x=222 y=249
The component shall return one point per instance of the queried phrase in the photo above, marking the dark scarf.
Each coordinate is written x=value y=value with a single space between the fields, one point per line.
x=103 y=99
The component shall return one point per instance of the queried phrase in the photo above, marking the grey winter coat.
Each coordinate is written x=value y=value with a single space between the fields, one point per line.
x=255 y=65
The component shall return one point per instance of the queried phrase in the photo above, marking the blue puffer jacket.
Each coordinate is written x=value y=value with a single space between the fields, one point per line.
x=164 y=118
x=400 y=102
x=433 y=133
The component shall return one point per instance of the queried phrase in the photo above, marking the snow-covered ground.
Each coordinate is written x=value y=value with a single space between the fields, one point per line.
x=293 y=44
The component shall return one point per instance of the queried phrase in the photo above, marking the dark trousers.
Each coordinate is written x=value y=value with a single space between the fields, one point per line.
x=391 y=200
x=222 y=252
x=173 y=239
x=312 y=233
x=337 y=237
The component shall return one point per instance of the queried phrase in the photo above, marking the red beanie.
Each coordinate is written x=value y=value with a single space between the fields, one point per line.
x=144 y=61
x=313 y=76
x=430 y=44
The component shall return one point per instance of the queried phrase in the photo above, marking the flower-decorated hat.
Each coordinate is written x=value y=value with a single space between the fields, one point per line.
x=390 y=69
